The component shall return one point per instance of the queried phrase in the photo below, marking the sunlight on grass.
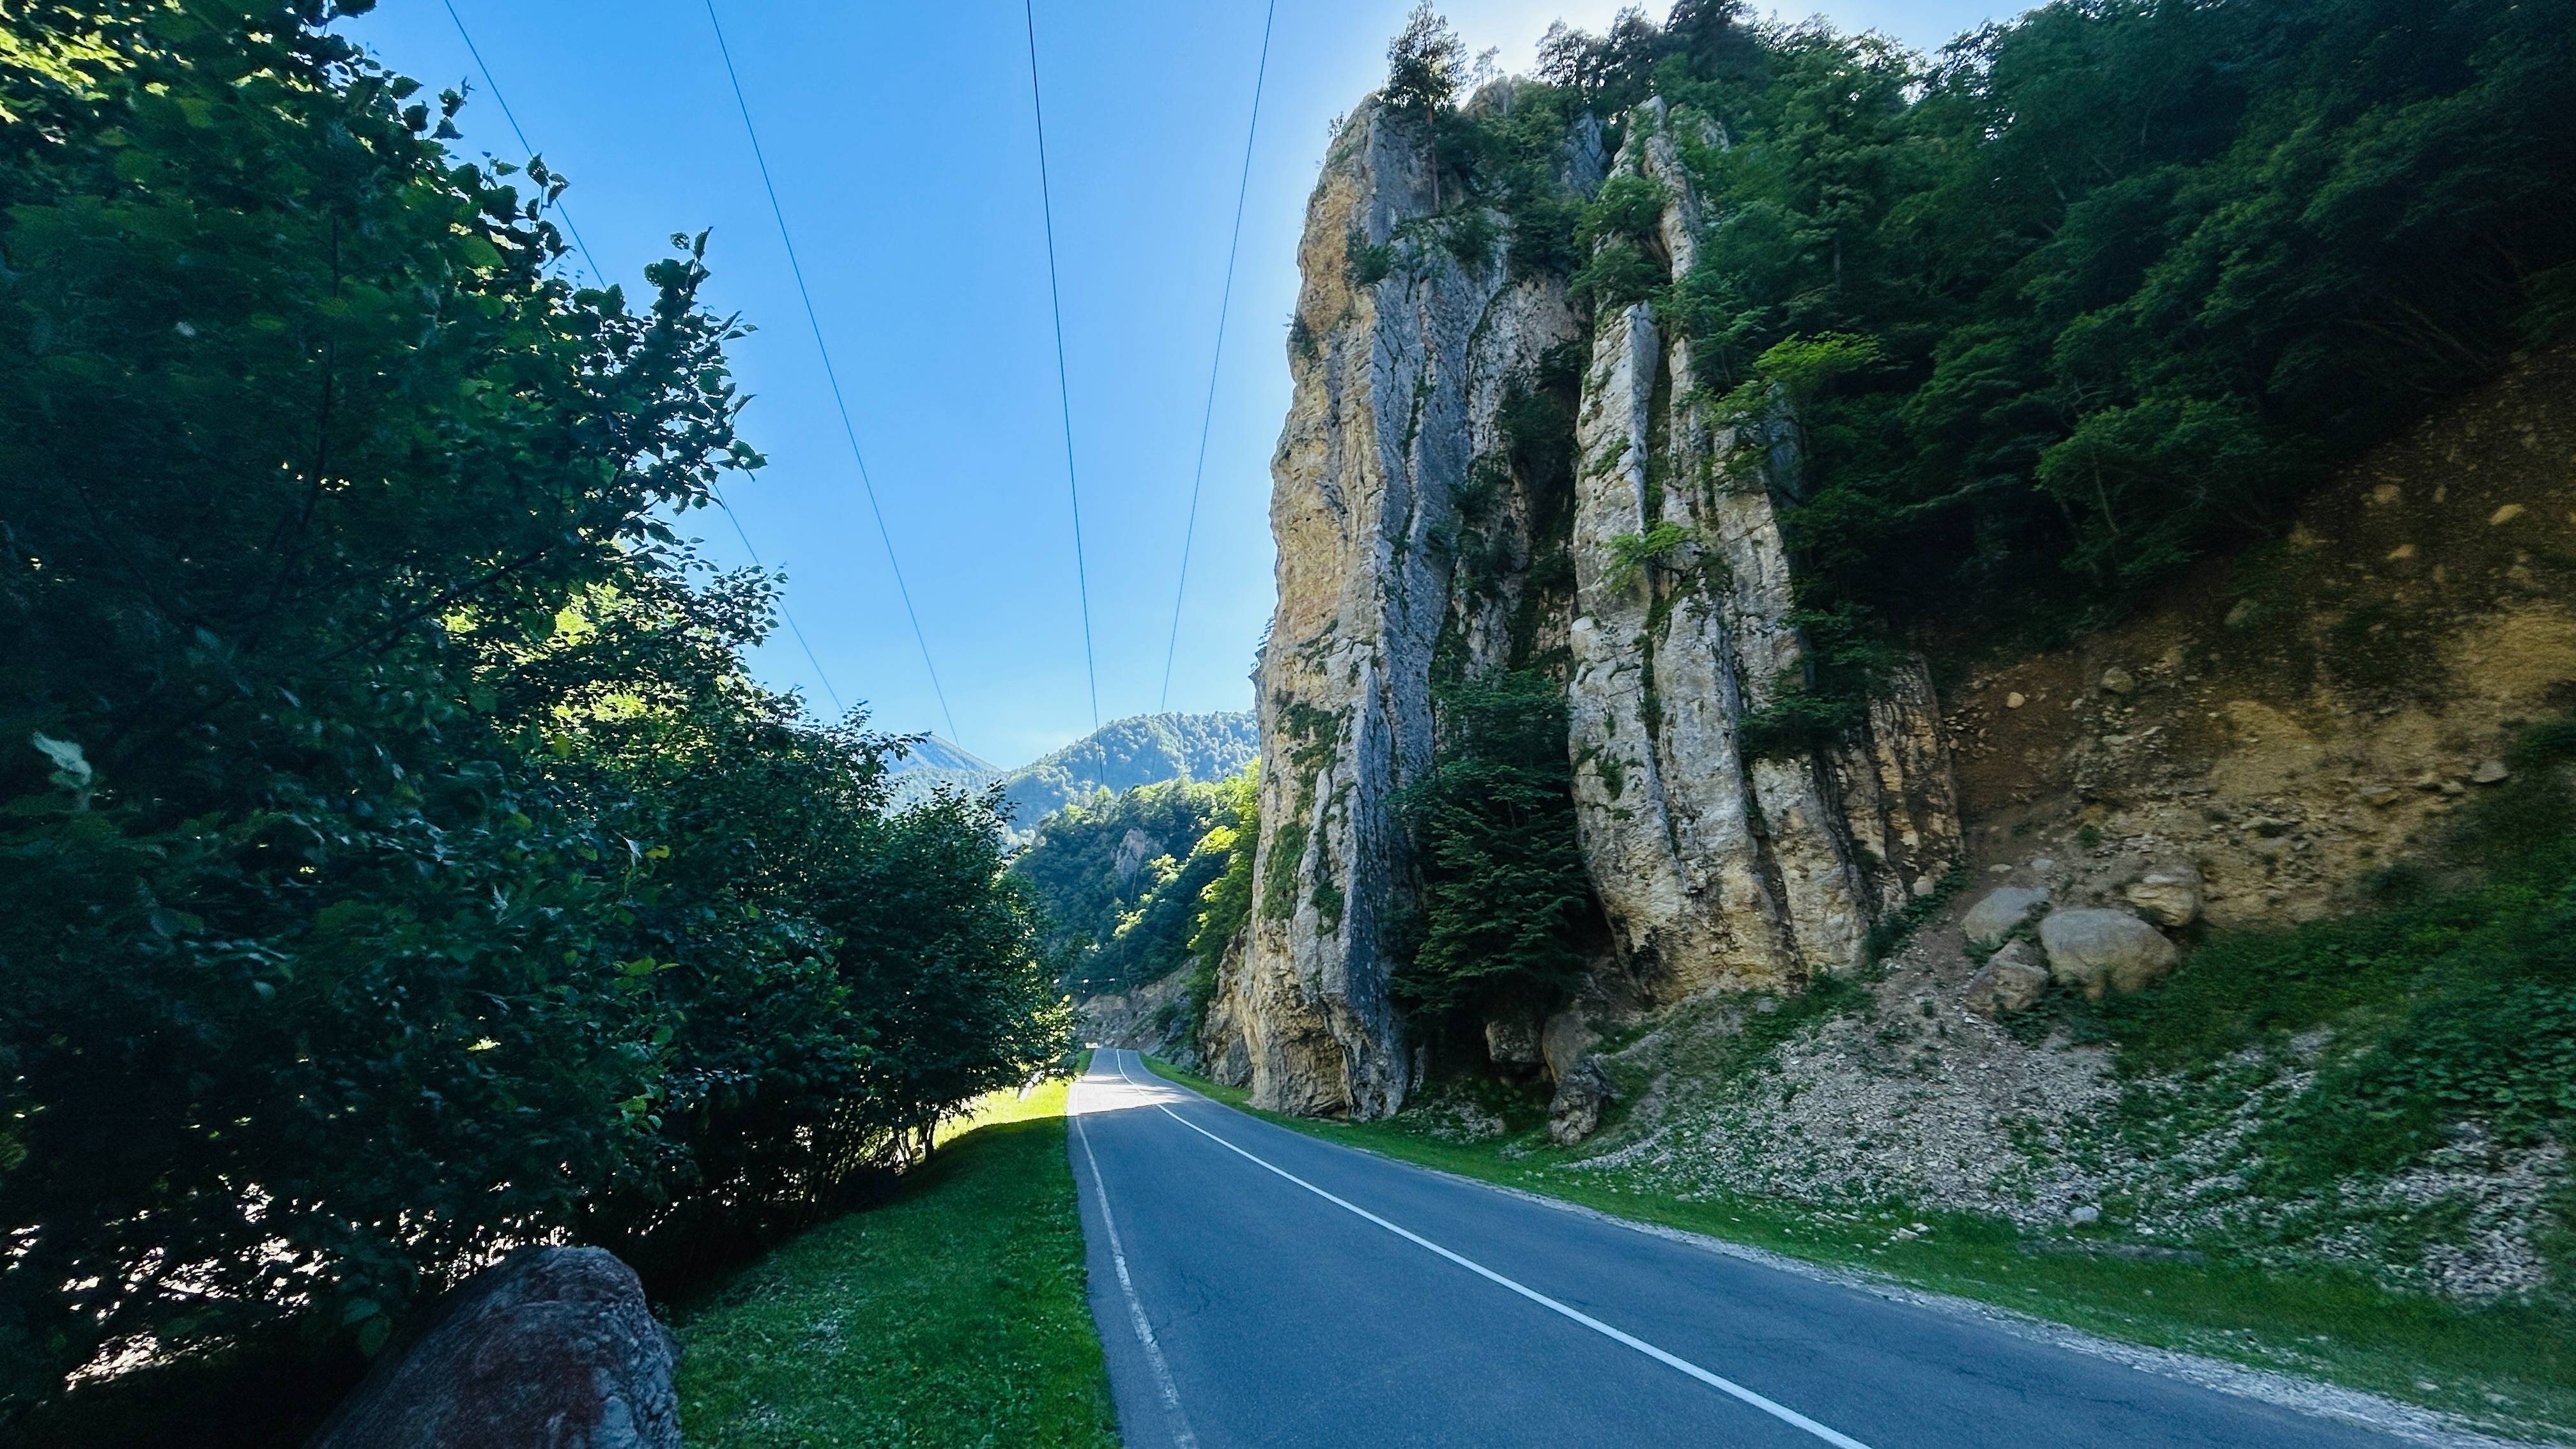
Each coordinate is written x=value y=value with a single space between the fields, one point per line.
x=2508 y=1368
x=953 y=1316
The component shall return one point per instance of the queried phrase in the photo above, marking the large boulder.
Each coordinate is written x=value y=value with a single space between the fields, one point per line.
x=2001 y=913
x=551 y=1348
x=2011 y=981
x=2096 y=950
x=2166 y=893
x=1581 y=1094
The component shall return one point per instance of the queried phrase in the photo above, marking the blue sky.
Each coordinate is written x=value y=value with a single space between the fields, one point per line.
x=901 y=141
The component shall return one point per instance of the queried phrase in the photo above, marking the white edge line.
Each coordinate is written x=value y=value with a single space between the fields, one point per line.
x=1182 y=1438
x=1729 y=1387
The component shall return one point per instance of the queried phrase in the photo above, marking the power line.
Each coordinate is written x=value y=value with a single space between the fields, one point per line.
x=736 y=520
x=1216 y=361
x=510 y=116
x=848 y=430
x=601 y=275
x=1063 y=388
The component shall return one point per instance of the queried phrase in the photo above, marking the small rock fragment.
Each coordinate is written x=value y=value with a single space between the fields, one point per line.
x=2014 y=700
x=2085 y=1216
x=2116 y=680
x=2490 y=772
x=2506 y=514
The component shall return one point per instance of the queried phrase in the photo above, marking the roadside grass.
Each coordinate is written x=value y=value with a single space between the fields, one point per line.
x=2511 y=1370
x=954 y=1315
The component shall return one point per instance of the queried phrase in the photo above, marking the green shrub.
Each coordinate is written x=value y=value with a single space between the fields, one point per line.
x=1507 y=914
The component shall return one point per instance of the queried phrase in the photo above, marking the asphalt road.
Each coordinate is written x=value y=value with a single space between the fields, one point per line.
x=1254 y=1286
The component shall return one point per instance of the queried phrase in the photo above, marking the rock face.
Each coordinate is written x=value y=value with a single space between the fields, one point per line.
x=2093 y=950
x=553 y=1348
x=1398 y=383
x=1718 y=865
x=1421 y=537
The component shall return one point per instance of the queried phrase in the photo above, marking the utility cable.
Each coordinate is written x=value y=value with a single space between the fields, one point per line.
x=848 y=430
x=1216 y=362
x=601 y=276
x=736 y=520
x=1063 y=387
x=510 y=116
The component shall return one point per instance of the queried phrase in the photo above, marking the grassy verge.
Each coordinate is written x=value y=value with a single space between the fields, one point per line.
x=953 y=1316
x=2510 y=1369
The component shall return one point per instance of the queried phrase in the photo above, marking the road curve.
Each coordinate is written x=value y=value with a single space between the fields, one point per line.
x=1255 y=1286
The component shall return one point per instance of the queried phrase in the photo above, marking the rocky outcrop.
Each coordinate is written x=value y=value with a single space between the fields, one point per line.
x=1411 y=532
x=1399 y=379
x=1718 y=863
x=552 y=1348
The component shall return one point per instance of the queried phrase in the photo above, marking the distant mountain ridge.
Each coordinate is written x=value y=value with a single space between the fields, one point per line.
x=1120 y=755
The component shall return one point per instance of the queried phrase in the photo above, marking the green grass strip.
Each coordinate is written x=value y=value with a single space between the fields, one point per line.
x=954 y=1316
x=2508 y=1369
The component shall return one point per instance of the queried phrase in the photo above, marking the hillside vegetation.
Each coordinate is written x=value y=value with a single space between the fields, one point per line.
x=1138 y=885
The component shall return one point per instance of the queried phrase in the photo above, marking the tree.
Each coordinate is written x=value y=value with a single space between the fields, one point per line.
x=1425 y=63
x=399 y=862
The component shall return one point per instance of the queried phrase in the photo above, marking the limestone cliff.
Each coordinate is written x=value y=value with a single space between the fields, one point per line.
x=1718 y=864
x=1425 y=532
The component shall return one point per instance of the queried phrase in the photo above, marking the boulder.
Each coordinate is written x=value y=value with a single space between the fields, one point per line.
x=1581 y=1094
x=2011 y=981
x=1565 y=1039
x=2095 y=950
x=551 y=1348
x=2166 y=893
x=2002 y=912
x=1512 y=1041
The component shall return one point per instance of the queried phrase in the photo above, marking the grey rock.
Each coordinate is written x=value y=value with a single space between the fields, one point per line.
x=1512 y=1041
x=2085 y=1216
x=2167 y=893
x=1581 y=1095
x=1567 y=1036
x=2098 y=950
x=2490 y=772
x=2001 y=913
x=2116 y=680
x=551 y=1348
x=2011 y=980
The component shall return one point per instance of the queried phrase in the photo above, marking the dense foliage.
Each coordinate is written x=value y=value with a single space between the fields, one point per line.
x=2090 y=292
x=1507 y=916
x=399 y=863
x=1120 y=879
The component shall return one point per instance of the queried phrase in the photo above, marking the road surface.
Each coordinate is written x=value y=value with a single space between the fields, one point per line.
x=1254 y=1286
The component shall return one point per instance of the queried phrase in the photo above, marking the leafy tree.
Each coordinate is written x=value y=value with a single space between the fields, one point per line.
x=400 y=863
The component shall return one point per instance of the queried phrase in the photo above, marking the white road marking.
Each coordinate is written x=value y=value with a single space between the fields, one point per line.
x=1729 y=1387
x=1182 y=1438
